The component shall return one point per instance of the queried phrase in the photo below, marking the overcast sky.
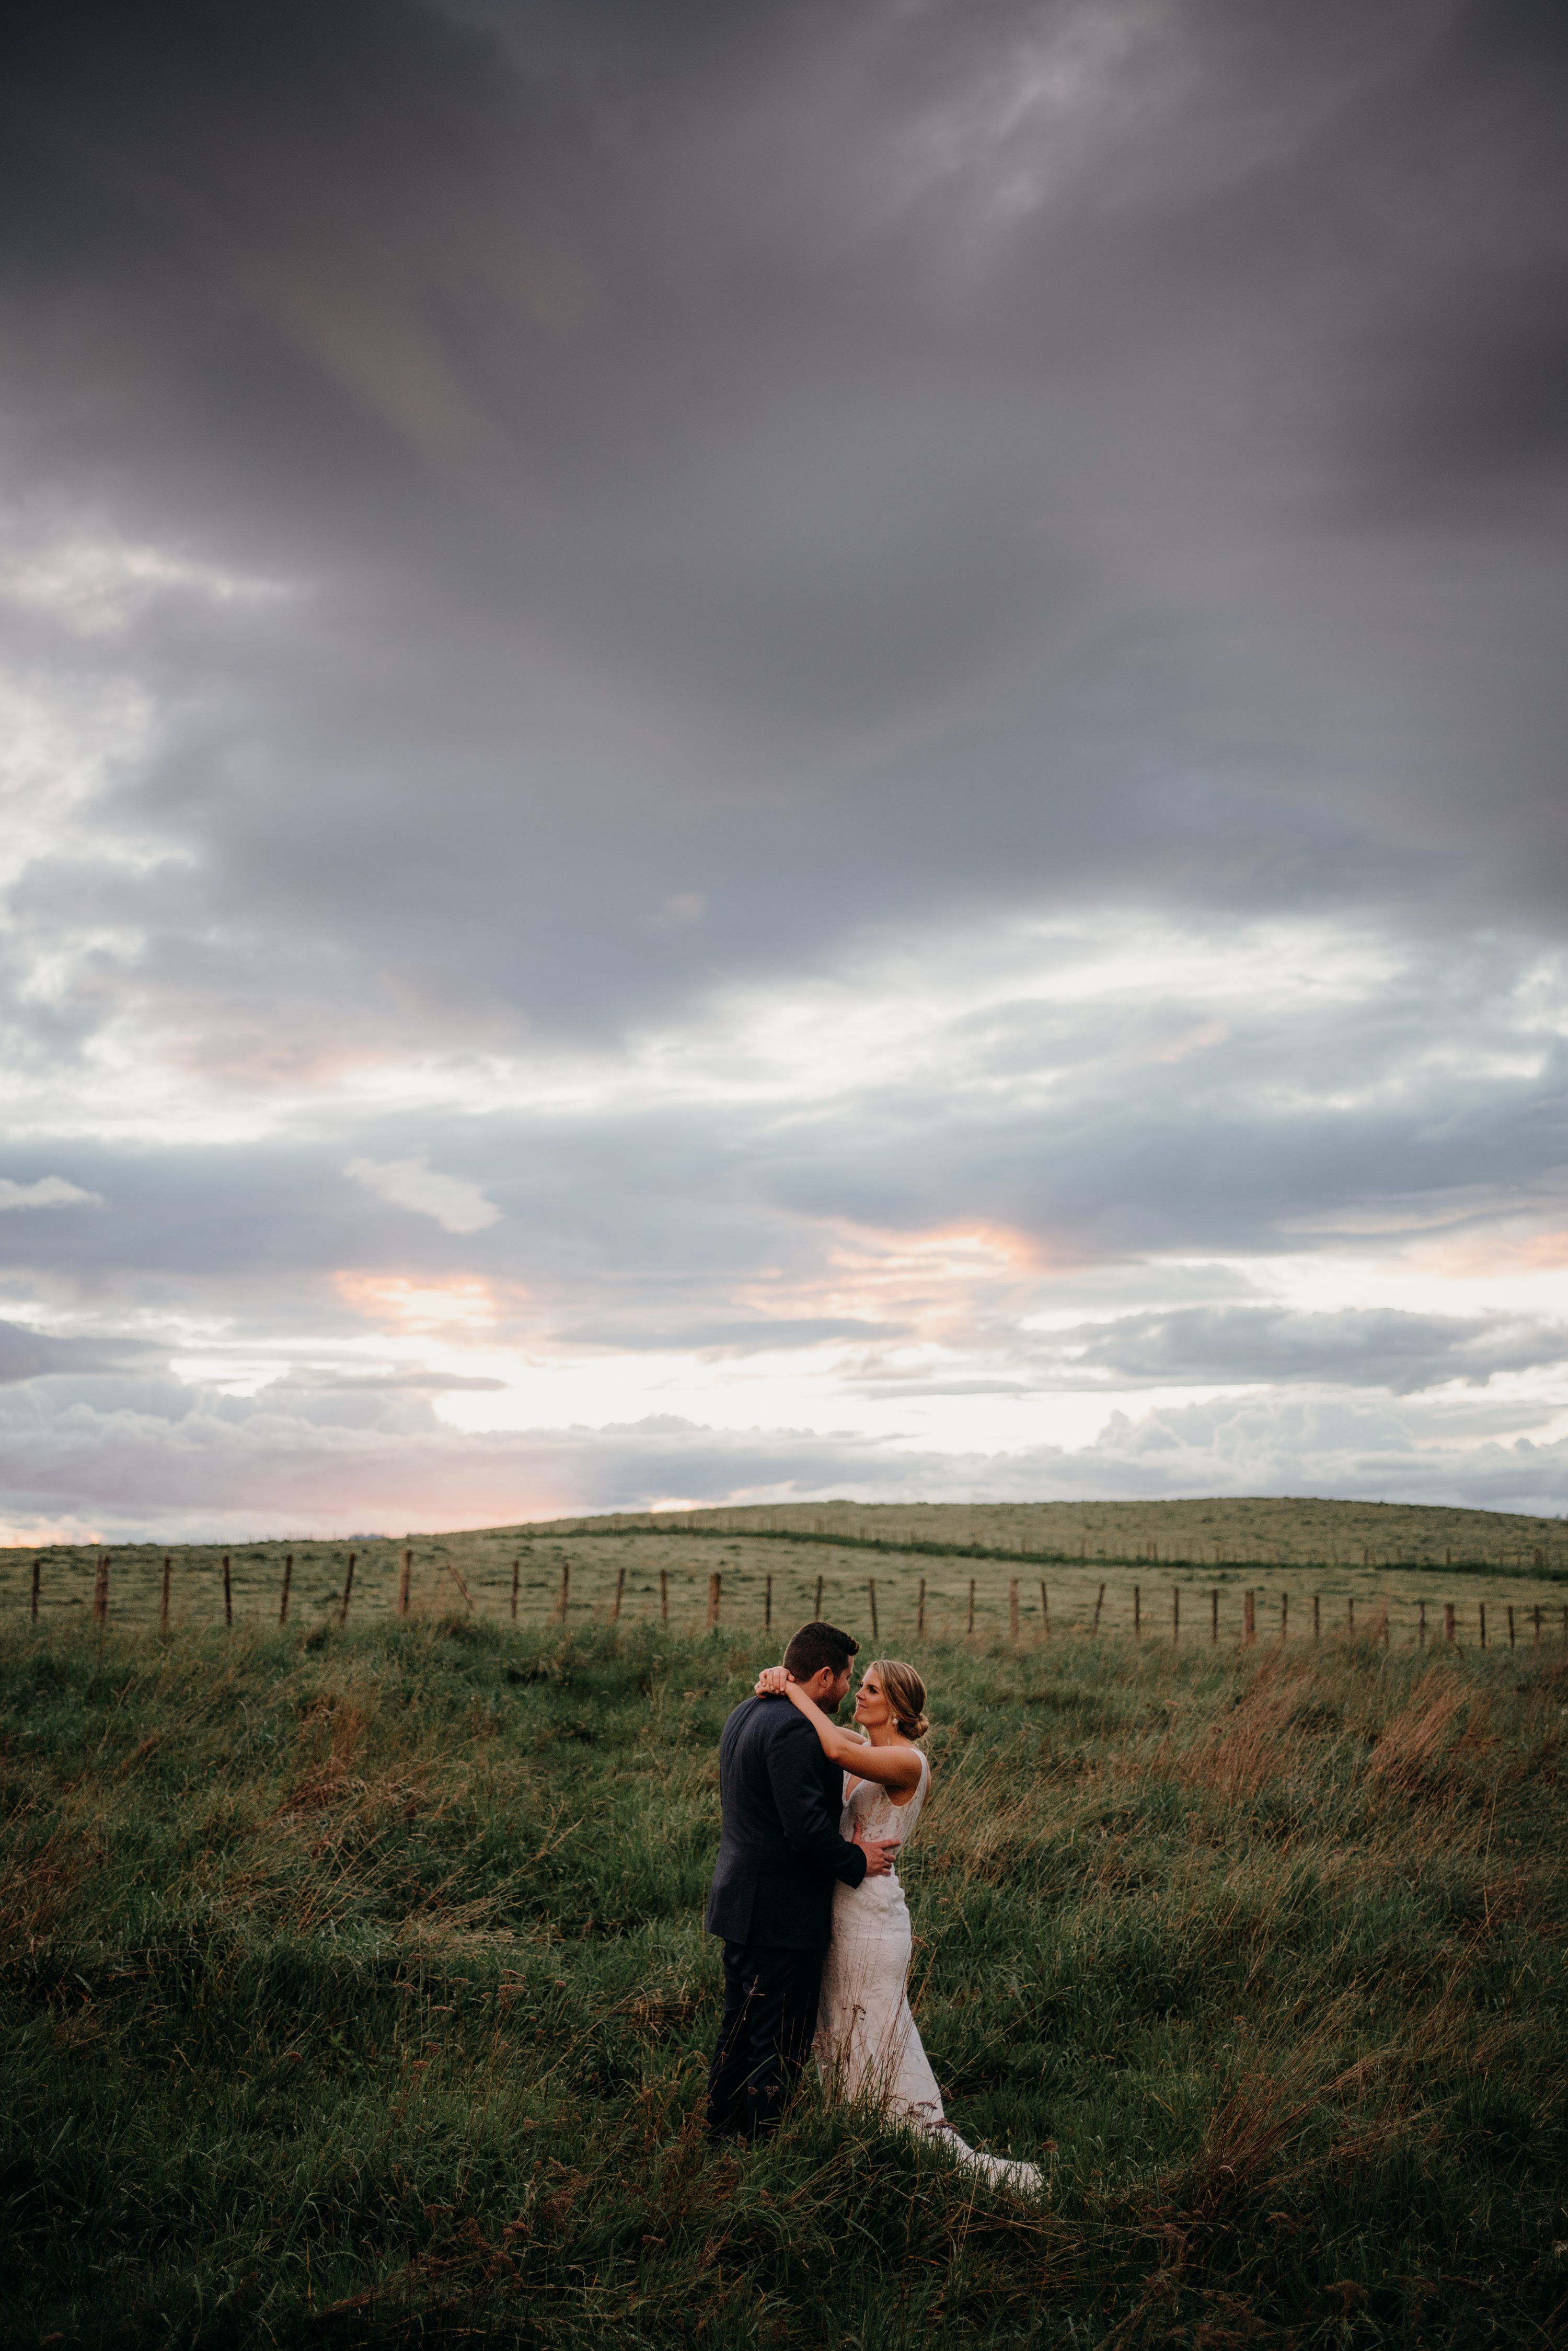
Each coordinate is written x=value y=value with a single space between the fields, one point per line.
x=763 y=749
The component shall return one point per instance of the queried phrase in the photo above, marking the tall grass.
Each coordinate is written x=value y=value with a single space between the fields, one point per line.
x=355 y=1990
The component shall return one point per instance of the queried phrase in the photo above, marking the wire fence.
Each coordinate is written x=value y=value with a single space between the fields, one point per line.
x=546 y=1587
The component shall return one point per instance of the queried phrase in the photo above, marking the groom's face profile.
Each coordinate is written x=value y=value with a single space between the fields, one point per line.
x=818 y=1659
x=836 y=1689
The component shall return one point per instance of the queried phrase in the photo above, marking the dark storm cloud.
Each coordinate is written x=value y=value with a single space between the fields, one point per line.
x=698 y=434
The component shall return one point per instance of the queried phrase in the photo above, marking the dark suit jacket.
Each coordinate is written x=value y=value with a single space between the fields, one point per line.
x=779 y=1849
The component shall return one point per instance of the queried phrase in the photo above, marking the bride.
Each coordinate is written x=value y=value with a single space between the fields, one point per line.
x=867 y=2044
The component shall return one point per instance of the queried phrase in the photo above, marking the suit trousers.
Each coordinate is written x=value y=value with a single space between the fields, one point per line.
x=769 y=2017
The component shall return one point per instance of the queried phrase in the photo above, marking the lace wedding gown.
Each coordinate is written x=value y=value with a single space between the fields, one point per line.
x=867 y=2044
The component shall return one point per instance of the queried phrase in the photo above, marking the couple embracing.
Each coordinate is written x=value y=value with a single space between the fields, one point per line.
x=816 y=1933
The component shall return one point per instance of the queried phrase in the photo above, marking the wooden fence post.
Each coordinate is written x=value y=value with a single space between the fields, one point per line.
x=1214 y=1609
x=920 y=1612
x=870 y=1595
x=1447 y=1620
x=1099 y=1603
x=620 y=1593
x=1137 y=1613
x=283 y=1601
x=228 y=1593
x=1175 y=1612
x=1383 y=1626
x=970 y=1626
x=1421 y=1624
x=1317 y=1616
x=664 y=1595
x=1538 y=1620
x=767 y=1604
x=1013 y=1607
x=348 y=1589
x=564 y=1602
x=1510 y=1625
x=1249 y=1616
x=37 y=1571
x=1284 y=1615
x=1481 y=1612
x=1350 y=1617
x=517 y=1579
x=818 y=1607
x=713 y=1600
x=1045 y=1613
x=100 y=1591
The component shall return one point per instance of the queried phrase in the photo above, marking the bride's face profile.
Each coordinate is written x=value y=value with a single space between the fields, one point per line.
x=872 y=1709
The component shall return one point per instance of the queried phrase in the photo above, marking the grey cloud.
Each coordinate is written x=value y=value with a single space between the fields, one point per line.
x=759 y=1333
x=915 y=1386
x=33 y=1354
x=1357 y=1347
x=134 y=1474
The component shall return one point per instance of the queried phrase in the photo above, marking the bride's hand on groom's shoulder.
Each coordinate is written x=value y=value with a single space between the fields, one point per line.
x=772 y=1681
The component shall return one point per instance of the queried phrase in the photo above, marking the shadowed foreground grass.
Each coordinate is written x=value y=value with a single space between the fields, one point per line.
x=354 y=1989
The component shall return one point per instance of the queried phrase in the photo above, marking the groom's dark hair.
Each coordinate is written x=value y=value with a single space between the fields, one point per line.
x=817 y=1645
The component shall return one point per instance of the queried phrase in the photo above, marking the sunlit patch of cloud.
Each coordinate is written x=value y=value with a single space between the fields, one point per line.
x=62 y=743
x=46 y=1192
x=399 y=1304
x=456 y=1205
x=232 y=1373
x=1496 y=1255
x=97 y=584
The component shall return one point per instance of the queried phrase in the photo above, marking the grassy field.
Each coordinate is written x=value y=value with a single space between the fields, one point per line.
x=355 y=1991
x=1167 y=1567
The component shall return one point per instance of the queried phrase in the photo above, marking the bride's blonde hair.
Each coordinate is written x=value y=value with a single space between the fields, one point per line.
x=904 y=1692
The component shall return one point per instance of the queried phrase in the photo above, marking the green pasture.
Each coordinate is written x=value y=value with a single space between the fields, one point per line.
x=354 y=1989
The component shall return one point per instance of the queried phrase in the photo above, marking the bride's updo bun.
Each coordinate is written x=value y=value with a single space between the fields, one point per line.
x=904 y=1692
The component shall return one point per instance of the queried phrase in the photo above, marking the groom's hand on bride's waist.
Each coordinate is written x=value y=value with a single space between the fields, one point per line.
x=878 y=1855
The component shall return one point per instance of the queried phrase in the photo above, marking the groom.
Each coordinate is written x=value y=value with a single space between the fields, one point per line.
x=772 y=1895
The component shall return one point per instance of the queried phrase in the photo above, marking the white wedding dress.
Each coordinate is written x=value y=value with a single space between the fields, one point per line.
x=867 y=2045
